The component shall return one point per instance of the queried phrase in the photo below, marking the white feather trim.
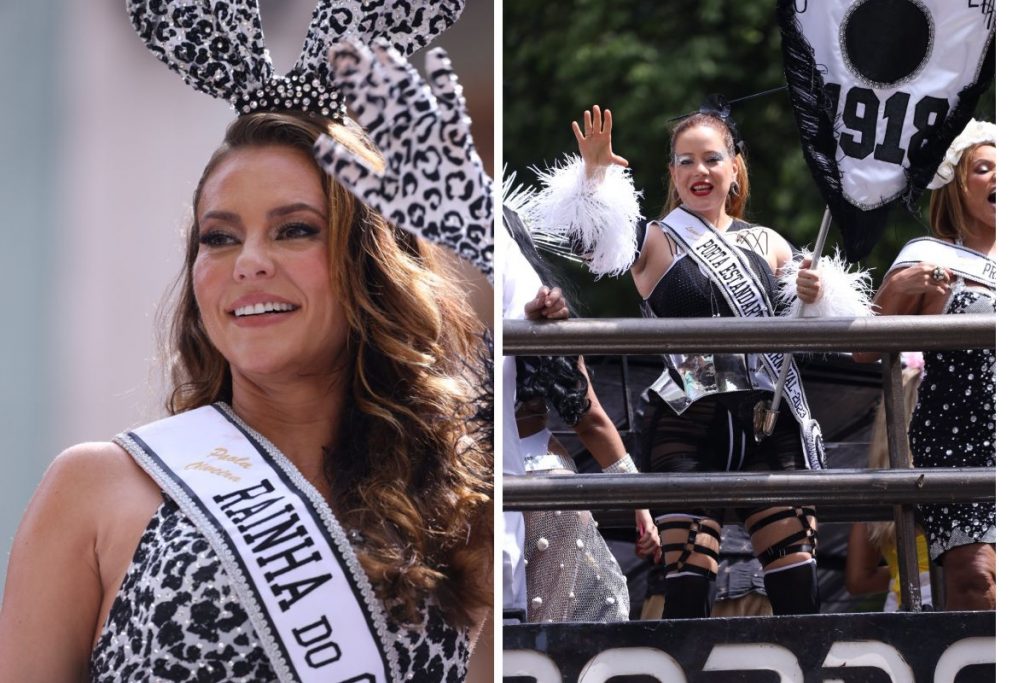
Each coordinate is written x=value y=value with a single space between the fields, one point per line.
x=845 y=291
x=515 y=197
x=600 y=217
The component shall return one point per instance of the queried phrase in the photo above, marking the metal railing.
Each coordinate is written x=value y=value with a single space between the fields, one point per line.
x=745 y=335
x=900 y=486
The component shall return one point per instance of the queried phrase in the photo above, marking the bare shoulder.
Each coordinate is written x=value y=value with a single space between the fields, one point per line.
x=656 y=256
x=73 y=543
x=779 y=251
x=110 y=490
x=75 y=477
x=97 y=466
x=654 y=236
x=757 y=238
x=777 y=242
x=91 y=488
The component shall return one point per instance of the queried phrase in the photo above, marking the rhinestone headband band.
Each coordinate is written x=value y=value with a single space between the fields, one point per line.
x=302 y=92
x=217 y=46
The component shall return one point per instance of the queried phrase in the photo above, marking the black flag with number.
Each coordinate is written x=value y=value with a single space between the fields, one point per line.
x=880 y=88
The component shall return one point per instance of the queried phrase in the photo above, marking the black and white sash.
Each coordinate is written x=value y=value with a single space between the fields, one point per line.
x=726 y=267
x=284 y=551
x=965 y=263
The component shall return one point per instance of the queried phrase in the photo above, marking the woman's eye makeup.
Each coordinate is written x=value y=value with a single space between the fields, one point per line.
x=686 y=160
x=216 y=238
x=297 y=231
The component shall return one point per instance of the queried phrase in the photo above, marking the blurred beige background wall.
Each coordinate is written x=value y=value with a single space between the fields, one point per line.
x=100 y=149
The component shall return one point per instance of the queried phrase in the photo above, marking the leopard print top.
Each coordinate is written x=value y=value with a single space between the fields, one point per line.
x=177 y=618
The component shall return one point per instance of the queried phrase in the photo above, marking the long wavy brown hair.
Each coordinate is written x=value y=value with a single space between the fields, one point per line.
x=407 y=469
x=948 y=205
x=883 y=534
x=735 y=203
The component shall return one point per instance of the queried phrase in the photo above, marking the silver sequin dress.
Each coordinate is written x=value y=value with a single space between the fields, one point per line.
x=571 y=575
x=954 y=425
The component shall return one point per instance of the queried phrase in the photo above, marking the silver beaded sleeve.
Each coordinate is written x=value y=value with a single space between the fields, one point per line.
x=623 y=465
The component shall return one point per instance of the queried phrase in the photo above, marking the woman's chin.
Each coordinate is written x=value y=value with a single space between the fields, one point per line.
x=264 y=368
x=708 y=210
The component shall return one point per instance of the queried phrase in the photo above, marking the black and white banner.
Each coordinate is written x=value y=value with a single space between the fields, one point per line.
x=880 y=89
x=289 y=560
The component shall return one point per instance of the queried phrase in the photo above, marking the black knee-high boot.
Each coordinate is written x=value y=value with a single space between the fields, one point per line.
x=687 y=597
x=794 y=590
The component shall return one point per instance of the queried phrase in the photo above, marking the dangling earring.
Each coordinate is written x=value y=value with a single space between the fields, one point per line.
x=734 y=189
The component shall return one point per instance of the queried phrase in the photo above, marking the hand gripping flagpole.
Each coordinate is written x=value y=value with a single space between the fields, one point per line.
x=767 y=426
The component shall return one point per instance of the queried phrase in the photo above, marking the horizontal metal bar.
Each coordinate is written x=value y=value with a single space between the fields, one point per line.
x=729 y=489
x=620 y=518
x=744 y=335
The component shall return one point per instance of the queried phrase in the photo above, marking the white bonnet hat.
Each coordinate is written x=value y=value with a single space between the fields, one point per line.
x=976 y=133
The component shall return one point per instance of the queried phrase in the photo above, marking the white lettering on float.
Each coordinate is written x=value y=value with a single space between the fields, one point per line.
x=873 y=654
x=660 y=665
x=756 y=657
x=964 y=653
x=530 y=663
x=753 y=656
x=622 y=661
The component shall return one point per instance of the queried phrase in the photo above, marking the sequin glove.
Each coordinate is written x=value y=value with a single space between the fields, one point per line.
x=623 y=465
x=433 y=184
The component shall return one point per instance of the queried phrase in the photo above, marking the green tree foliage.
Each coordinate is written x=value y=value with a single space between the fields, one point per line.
x=649 y=61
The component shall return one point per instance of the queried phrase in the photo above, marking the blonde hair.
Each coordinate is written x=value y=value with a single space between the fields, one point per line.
x=883 y=534
x=404 y=469
x=948 y=205
x=735 y=204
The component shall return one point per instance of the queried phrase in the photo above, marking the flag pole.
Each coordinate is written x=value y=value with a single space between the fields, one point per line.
x=771 y=417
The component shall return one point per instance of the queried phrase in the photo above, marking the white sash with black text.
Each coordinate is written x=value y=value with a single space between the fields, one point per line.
x=964 y=262
x=729 y=271
x=287 y=556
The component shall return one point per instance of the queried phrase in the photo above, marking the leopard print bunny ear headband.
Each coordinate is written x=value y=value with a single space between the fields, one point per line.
x=217 y=46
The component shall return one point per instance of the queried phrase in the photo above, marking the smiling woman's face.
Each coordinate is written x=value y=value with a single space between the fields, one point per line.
x=262 y=275
x=702 y=171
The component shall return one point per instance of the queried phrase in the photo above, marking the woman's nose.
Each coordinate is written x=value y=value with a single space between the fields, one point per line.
x=254 y=261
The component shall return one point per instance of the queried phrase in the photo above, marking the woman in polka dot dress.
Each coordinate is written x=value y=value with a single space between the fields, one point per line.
x=953 y=424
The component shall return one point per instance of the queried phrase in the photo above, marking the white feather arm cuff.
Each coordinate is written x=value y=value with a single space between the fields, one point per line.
x=845 y=291
x=515 y=197
x=597 y=218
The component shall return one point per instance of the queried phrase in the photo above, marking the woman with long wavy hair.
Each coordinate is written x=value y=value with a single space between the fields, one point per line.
x=318 y=504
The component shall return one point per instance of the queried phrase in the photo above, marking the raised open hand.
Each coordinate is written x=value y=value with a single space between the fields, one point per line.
x=595 y=141
x=433 y=183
